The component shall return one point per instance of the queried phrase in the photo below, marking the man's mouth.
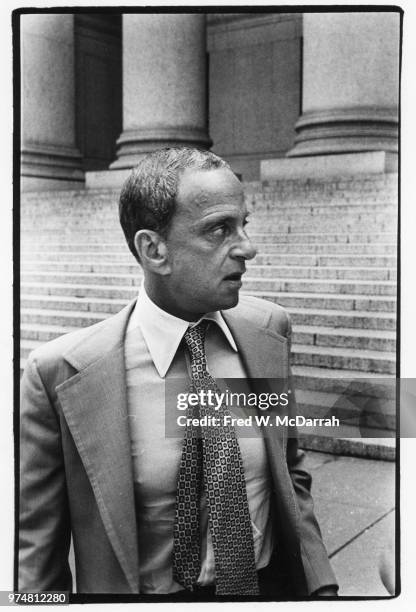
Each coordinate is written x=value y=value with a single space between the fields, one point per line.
x=236 y=276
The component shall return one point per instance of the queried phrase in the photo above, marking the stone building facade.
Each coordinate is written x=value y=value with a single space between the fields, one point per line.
x=276 y=94
x=306 y=101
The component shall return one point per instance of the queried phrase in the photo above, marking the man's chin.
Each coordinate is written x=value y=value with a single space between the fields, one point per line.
x=218 y=301
x=230 y=301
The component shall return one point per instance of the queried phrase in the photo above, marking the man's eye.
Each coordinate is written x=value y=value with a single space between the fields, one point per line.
x=220 y=230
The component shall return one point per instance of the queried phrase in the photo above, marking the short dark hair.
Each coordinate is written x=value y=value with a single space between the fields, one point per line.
x=148 y=197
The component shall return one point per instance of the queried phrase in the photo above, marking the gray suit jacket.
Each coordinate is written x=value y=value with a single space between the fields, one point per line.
x=76 y=467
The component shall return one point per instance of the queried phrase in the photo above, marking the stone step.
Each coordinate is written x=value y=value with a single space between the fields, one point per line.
x=330 y=301
x=38 y=327
x=362 y=182
x=30 y=243
x=271 y=201
x=324 y=195
x=305 y=378
x=258 y=204
x=78 y=304
x=328 y=249
x=306 y=300
x=69 y=235
x=327 y=190
x=320 y=286
x=82 y=228
x=316 y=237
x=34 y=335
x=96 y=244
x=332 y=261
x=349 y=219
x=367 y=339
x=107 y=213
x=346 y=390
x=82 y=279
x=282 y=191
x=267 y=271
x=379 y=414
x=264 y=248
x=308 y=378
x=250 y=283
x=382 y=449
x=336 y=380
x=303 y=334
x=60 y=318
x=321 y=272
x=340 y=358
x=356 y=320
x=257 y=196
x=76 y=291
x=26 y=347
x=320 y=317
x=359 y=221
x=356 y=260
x=322 y=357
x=260 y=259
x=360 y=215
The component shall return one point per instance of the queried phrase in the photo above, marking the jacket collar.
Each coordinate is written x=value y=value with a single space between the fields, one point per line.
x=258 y=345
x=94 y=403
x=104 y=338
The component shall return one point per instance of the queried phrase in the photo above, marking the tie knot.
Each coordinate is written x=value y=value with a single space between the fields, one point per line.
x=195 y=340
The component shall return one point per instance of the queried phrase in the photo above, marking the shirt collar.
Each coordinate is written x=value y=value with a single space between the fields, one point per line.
x=163 y=332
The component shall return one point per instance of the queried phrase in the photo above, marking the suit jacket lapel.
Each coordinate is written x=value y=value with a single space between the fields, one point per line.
x=265 y=355
x=95 y=406
x=265 y=358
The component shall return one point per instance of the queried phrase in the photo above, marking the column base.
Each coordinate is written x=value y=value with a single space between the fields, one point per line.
x=106 y=179
x=325 y=166
x=50 y=167
x=346 y=131
x=135 y=144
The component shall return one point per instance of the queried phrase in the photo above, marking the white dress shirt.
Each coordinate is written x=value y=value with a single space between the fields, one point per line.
x=155 y=367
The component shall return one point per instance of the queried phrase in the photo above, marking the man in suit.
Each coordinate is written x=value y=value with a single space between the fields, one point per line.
x=152 y=514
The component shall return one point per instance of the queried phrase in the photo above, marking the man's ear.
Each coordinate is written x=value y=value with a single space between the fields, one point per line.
x=152 y=251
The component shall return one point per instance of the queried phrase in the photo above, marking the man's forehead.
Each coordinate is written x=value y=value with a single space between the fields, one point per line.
x=214 y=187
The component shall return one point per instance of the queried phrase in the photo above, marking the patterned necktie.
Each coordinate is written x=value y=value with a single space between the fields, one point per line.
x=214 y=453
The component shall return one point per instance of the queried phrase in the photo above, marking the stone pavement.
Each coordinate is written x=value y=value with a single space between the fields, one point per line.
x=355 y=505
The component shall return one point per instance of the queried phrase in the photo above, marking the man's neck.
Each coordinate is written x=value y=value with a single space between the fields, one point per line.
x=165 y=303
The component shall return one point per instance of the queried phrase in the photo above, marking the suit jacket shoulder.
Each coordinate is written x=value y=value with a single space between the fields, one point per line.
x=264 y=314
x=79 y=348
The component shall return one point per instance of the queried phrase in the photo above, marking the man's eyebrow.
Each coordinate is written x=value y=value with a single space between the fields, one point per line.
x=217 y=217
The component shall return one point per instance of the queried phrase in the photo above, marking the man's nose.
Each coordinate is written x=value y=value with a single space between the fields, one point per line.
x=244 y=248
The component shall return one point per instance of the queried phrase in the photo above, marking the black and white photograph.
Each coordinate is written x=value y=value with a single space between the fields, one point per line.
x=207 y=282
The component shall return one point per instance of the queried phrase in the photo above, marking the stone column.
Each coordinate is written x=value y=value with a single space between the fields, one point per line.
x=164 y=85
x=350 y=84
x=50 y=158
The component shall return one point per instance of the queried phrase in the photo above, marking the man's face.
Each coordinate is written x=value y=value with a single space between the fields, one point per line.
x=207 y=243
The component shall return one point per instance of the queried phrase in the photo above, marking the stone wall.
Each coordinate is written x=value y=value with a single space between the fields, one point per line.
x=254 y=86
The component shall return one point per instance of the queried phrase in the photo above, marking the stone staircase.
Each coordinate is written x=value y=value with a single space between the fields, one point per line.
x=326 y=251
